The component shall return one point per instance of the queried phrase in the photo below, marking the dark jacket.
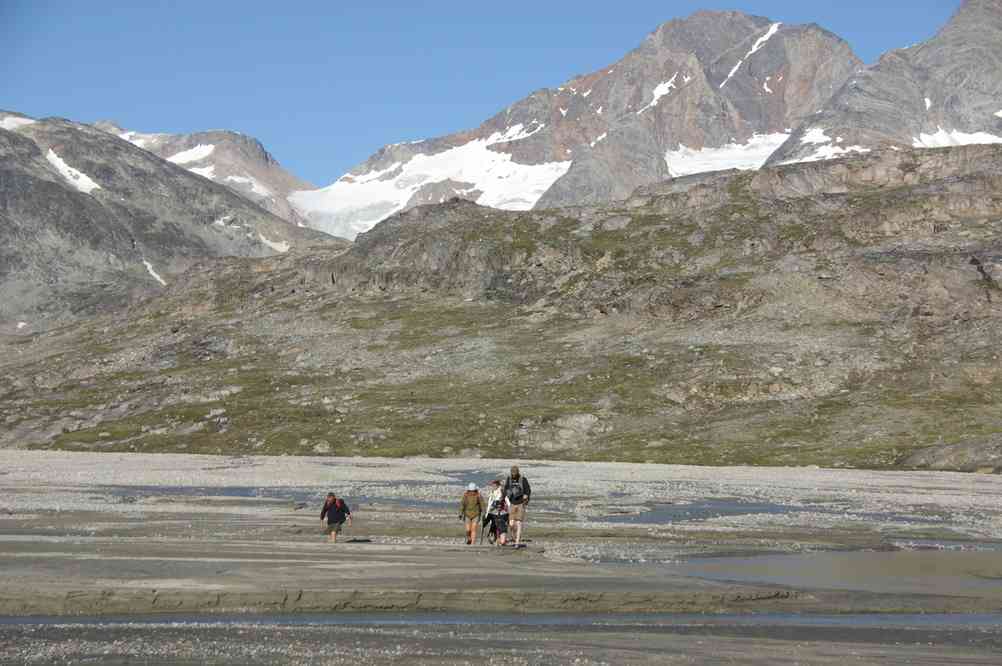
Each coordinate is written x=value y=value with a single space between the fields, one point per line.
x=513 y=488
x=335 y=513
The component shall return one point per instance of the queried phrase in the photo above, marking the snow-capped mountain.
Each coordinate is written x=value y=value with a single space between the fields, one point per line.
x=946 y=91
x=229 y=158
x=713 y=91
x=89 y=220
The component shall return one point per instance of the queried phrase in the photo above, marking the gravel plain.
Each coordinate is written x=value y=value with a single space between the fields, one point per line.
x=685 y=642
x=135 y=535
x=968 y=504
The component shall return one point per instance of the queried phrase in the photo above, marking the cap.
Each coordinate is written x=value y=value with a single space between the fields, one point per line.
x=494 y=482
x=472 y=486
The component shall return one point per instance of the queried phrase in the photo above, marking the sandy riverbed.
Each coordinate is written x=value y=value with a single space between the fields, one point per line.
x=100 y=534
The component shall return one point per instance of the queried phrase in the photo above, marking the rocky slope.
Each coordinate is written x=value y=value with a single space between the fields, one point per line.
x=229 y=158
x=88 y=220
x=943 y=92
x=836 y=313
x=713 y=91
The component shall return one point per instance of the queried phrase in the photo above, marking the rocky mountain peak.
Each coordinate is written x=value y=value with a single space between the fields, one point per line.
x=232 y=159
x=89 y=221
x=977 y=10
x=711 y=91
x=946 y=91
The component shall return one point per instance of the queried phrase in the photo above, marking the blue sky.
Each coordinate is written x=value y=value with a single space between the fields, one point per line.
x=324 y=84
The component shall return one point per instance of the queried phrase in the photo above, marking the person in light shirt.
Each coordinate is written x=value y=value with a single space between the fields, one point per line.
x=496 y=519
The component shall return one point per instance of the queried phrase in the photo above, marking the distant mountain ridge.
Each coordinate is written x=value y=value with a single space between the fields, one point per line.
x=946 y=91
x=715 y=90
x=88 y=220
x=229 y=158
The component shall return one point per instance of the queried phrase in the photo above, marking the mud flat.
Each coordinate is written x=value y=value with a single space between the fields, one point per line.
x=136 y=536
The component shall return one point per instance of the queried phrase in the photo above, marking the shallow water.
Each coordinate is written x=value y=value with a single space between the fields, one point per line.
x=943 y=572
x=310 y=497
x=666 y=514
x=709 y=509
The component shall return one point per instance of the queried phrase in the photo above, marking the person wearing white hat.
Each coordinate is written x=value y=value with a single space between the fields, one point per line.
x=471 y=510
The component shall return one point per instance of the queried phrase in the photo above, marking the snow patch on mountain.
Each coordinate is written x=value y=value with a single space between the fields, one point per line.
x=354 y=204
x=199 y=152
x=998 y=113
x=945 y=138
x=140 y=140
x=928 y=103
x=278 y=246
x=831 y=152
x=599 y=139
x=773 y=29
x=815 y=135
x=11 y=123
x=205 y=172
x=255 y=186
x=826 y=151
x=765 y=85
x=745 y=156
x=151 y=271
x=76 y=178
x=660 y=91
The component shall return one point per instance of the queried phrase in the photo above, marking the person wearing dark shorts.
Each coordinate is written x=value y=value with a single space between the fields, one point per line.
x=333 y=516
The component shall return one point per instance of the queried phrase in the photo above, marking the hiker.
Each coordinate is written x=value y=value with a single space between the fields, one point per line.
x=496 y=519
x=471 y=509
x=335 y=511
x=516 y=489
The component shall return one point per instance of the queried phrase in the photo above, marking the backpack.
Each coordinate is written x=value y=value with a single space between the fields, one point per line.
x=515 y=492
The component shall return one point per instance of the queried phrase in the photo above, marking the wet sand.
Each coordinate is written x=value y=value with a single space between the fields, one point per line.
x=686 y=642
x=101 y=535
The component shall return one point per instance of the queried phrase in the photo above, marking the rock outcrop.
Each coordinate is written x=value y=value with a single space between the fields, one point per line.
x=973 y=456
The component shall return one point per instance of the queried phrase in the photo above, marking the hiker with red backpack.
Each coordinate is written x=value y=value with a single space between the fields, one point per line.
x=335 y=512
